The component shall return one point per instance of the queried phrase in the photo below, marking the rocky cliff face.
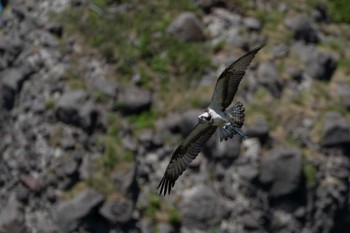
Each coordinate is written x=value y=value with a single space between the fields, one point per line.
x=87 y=127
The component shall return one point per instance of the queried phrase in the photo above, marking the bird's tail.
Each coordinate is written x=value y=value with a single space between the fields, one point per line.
x=236 y=114
x=236 y=118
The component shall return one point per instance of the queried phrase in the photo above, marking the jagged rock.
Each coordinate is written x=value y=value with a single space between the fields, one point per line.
x=12 y=218
x=280 y=50
x=252 y=24
x=343 y=91
x=75 y=108
x=318 y=64
x=11 y=81
x=302 y=29
x=268 y=77
x=30 y=182
x=259 y=129
x=224 y=152
x=201 y=208
x=119 y=211
x=9 y=51
x=336 y=130
x=43 y=38
x=281 y=170
x=170 y=123
x=133 y=100
x=125 y=178
x=251 y=221
x=106 y=86
x=68 y=215
x=149 y=141
x=239 y=41
x=188 y=120
x=187 y=27
x=248 y=172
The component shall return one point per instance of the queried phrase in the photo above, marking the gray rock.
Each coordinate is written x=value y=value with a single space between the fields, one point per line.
x=12 y=218
x=11 y=81
x=187 y=27
x=336 y=130
x=125 y=178
x=68 y=215
x=224 y=152
x=178 y=123
x=119 y=211
x=43 y=38
x=188 y=120
x=106 y=86
x=281 y=170
x=239 y=41
x=30 y=182
x=248 y=172
x=252 y=24
x=251 y=221
x=74 y=108
x=280 y=50
x=133 y=100
x=343 y=91
x=9 y=51
x=302 y=29
x=268 y=77
x=69 y=105
x=201 y=208
x=171 y=123
x=318 y=64
x=259 y=129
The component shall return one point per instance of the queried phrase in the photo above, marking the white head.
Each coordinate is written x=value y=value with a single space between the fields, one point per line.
x=205 y=117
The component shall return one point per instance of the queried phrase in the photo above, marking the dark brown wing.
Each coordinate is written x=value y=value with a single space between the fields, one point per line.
x=184 y=154
x=227 y=84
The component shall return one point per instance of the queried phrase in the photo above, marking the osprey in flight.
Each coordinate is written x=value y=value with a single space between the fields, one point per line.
x=229 y=121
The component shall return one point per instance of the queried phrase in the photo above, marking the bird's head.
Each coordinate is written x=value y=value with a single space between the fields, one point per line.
x=205 y=117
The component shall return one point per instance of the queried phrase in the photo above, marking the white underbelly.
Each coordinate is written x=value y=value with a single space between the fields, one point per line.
x=217 y=118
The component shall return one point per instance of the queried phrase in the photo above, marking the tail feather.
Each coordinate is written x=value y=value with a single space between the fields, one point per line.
x=236 y=117
x=236 y=114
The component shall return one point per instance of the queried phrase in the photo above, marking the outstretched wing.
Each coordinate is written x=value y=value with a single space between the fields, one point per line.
x=184 y=154
x=227 y=84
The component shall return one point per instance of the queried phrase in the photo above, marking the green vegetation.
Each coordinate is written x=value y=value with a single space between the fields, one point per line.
x=310 y=172
x=50 y=104
x=143 y=120
x=135 y=41
x=339 y=10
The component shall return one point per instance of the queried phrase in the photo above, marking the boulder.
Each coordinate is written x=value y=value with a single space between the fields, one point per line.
x=11 y=217
x=301 y=28
x=11 y=81
x=119 y=211
x=259 y=129
x=9 y=51
x=133 y=100
x=201 y=208
x=336 y=131
x=268 y=77
x=343 y=91
x=68 y=215
x=74 y=108
x=318 y=64
x=252 y=24
x=187 y=27
x=280 y=171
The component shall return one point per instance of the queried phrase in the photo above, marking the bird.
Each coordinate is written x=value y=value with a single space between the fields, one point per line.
x=216 y=115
